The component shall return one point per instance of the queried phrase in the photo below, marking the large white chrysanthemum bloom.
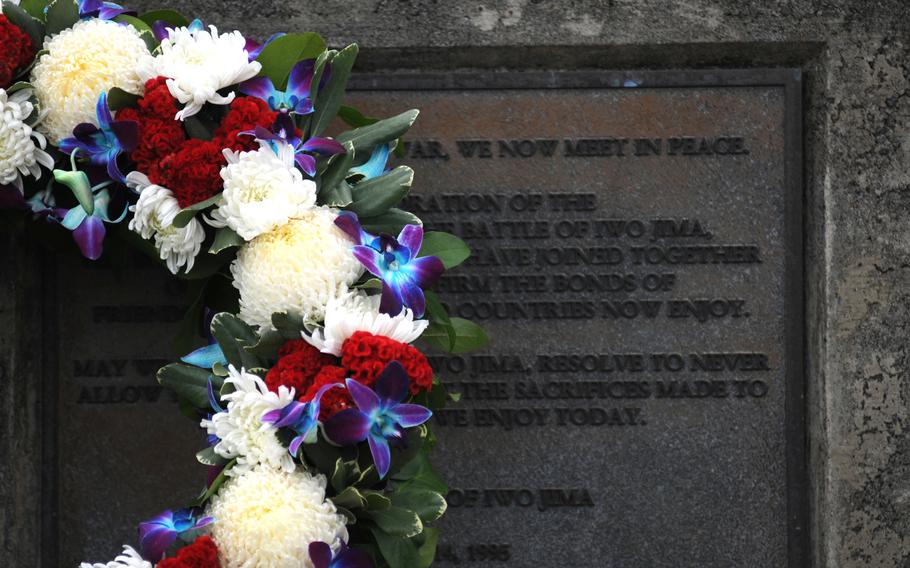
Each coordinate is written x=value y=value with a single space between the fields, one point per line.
x=21 y=149
x=262 y=190
x=81 y=63
x=298 y=267
x=154 y=217
x=268 y=518
x=241 y=432
x=129 y=559
x=359 y=312
x=199 y=62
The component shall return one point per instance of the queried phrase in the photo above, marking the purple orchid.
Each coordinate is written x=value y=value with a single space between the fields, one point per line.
x=105 y=142
x=160 y=28
x=321 y=557
x=160 y=532
x=380 y=416
x=404 y=275
x=285 y=131
x=254 y=48
x=101 y=10
x=88 y=227
x=301 y=417
x=297 y=98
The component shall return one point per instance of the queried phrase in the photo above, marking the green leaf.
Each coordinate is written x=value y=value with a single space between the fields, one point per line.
x=233 y=334
x=398 y=552
x=61 y=14
x=173 y=18
x=397 y=521
x=283 y=53
x=437 y=313
x=366 y=138
x=328 y=100
x=183 y=218
x=354 y=118
x=270 y=341
x=377 y=501
x=289 y=324
x=208 y=456
x=451 y=250
x=25 y=22
x=145 y=31
x=426 y=550
x=334 y=191
x=392 y=221
x=34 y=8
x=468 y=336
x=350 y=499
x=225 y=237
x=189 y=382
x=429 y=505
x=419 y=474
x=215 y=486
x=118 y=99
x=377 y=195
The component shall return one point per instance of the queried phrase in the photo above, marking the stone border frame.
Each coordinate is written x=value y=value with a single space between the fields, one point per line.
x=791 y=81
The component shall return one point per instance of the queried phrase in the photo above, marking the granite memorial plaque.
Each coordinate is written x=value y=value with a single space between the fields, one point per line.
x=637 y=263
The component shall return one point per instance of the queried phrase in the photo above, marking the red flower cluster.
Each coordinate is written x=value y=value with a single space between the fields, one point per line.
x=298 y=364
x=187 y=166
x=363 y=357
x=203 y=553
x=17 y=51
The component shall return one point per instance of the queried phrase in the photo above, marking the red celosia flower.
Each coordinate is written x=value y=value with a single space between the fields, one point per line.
x=17 y=51
x=333 y=400
x=365 y=355
x=298 y=363
x=203 y=553
x=193 y=173
x=245 y=114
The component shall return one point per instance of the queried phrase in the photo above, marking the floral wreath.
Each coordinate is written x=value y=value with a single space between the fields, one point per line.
x=208 y=152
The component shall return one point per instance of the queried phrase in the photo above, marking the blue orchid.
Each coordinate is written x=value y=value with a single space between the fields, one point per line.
x=380 y=416
x=376 y=165
x=105 y=142
x=321 y=557
x=284 y=131
x=301 y=417
x=160 y=532
x=86 y=220
x=404 y=275
x=297 y=98
x=206 y=357
x=101 y=10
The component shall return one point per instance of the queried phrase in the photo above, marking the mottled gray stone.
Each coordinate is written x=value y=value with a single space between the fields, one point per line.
x=857 y=62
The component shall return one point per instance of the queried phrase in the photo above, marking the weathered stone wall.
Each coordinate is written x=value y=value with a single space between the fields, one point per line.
x=856 y=57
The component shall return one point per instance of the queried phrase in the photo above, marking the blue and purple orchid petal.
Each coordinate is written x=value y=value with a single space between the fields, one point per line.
x=375 y=166
x=426 y=270
x=160 y=532
x=364 y=397
x=306 y=163
x=347 y=221
x=254 y=48
x=321 y=556
x=298 y=94
x=348 y=427
x=410 y=415
x=370 y=258
x=390 y=301
x=392 y=383
x=102 y=10
x=206 y=357
x=89 y=236
x=382 y=454
x=411 y=237
x=160 y=30
x=323 y=146
x=196 y=25
x=261 y=88
x=214 y=400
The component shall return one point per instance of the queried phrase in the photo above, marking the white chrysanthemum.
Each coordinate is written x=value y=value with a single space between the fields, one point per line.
x=262 y=190
x=21 y=149
x=355 y=312
x=267 y=518
x=241 y=432
x=129 y=559
x=81 y=63
x=298 y=267
x=154 y=217
x=198 y=63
